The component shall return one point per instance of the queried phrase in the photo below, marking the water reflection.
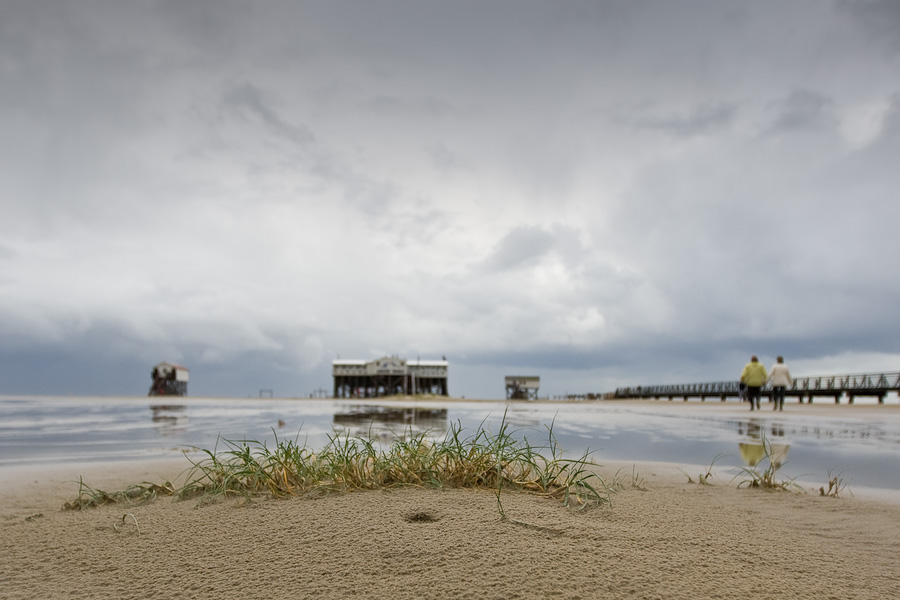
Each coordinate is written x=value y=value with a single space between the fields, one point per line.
x=52 y=430
x=389 y=423
x=758 y=436
x=523 y=418
x=168 y=419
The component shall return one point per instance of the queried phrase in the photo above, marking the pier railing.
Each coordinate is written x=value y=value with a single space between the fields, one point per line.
x=836 y=386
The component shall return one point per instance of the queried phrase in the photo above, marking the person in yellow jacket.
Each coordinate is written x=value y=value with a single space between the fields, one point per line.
x=754 y=377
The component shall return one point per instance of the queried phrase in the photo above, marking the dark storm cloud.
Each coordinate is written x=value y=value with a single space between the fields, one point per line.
x=880 y=18
x=428 y=107
x=890 y=129
x=520 y=247
x=249 y=101
x=526 y=246
x=802 y=110
x=700 y=120
x=445 y=160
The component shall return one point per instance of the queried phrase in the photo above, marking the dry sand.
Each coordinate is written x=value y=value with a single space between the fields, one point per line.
x=672 y=539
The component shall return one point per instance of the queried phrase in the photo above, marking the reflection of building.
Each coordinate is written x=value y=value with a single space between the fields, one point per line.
x=169 y=380
x=169 y=417
x=386 y=422
x=522 y=387
x=388 y=376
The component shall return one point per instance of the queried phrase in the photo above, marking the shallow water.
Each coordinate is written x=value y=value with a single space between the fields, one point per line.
x=864 y=451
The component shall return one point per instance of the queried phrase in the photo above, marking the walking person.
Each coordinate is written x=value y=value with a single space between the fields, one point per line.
x=754 y=376
x=780 y=378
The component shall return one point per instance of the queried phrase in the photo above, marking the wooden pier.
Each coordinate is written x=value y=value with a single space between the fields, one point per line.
x=831 y=386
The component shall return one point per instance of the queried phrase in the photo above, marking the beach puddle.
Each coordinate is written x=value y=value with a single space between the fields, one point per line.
x=862 y=445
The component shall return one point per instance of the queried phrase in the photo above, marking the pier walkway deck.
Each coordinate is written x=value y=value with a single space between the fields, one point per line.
x=834 y=386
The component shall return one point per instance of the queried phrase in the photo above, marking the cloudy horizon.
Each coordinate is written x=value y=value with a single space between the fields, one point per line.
x=601 y=193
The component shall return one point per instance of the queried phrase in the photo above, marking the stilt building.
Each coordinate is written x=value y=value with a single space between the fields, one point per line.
x=169 y=380
x=389 y=376
x=522 y=387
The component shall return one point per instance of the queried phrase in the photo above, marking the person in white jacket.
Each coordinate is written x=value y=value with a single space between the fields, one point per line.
x=780 y=378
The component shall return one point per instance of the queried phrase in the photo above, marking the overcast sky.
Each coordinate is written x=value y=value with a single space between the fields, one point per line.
x=601 y=193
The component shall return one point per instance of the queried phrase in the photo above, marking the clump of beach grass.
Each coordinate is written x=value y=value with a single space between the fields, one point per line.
x=498 y=462
x=836 y=486
x=616 y=483
x=134 y=494
x=703 y=478
x=637 y=480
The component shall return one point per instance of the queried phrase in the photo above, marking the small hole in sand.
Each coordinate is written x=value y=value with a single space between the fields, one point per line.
x=420 y=516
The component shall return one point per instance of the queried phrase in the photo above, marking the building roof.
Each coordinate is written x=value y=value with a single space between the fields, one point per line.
x=172 y=366
x=413 y=362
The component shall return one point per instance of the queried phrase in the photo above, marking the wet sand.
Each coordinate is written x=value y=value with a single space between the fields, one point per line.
x=667 y=538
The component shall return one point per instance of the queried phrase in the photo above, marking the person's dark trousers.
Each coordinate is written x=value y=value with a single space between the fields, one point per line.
x=753 y=394
x=778 y=397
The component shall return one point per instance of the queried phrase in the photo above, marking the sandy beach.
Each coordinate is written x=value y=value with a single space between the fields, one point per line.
x=662 y=538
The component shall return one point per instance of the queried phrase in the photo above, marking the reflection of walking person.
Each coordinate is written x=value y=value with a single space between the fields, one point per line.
x=780 y=378
x=754 y=376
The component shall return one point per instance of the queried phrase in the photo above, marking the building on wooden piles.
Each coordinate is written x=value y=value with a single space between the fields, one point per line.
x=522 y=387
x=389 y=376
x=169 y=380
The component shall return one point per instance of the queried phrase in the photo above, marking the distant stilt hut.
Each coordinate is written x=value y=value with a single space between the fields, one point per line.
x=522 y=387
x=169 y=380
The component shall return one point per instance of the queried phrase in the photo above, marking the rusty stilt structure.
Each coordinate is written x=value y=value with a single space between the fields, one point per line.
x=169 y=380
x=389 y=376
